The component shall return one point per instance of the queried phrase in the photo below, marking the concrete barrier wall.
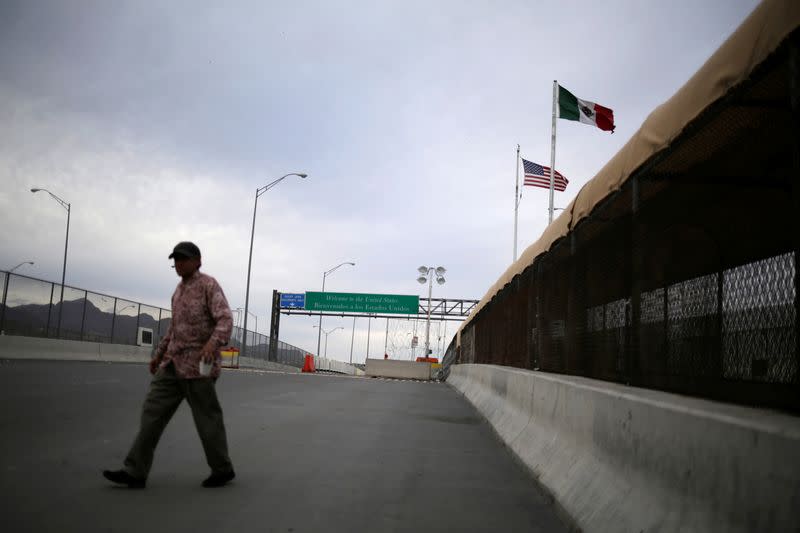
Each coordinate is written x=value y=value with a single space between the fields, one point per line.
x=16 y=347
x=247 y=362
x=389 y=368
x=331 y=365
x=619 y=458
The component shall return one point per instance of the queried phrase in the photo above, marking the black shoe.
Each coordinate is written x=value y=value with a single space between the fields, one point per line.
x=124 y=478
x=218 y=479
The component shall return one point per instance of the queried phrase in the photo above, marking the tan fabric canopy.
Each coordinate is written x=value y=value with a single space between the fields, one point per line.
x=761 y=34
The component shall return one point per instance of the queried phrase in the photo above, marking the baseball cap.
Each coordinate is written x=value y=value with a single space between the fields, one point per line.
x=185 y=249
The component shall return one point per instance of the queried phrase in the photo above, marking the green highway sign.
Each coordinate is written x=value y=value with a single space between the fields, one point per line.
x=362 y=303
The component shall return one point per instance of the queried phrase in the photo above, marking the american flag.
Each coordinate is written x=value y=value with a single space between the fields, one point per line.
x=539 y=176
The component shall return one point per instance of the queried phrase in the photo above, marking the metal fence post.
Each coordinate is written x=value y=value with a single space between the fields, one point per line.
x=274 y=326
x=138 y=319
x=5 y=294
x=666 y=321
x=794 y=104
x=718 y=368
x=572 y=354
x=83 y=314
x=49 y=311
x=635 y=285
x=113 y=321
x=158 y=330
x=533 y=313
x=540 y=321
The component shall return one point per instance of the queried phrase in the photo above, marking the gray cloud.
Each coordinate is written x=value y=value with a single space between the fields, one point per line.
x=158 y=120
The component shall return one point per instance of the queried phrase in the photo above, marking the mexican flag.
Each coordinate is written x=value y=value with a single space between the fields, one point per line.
x=571 y=108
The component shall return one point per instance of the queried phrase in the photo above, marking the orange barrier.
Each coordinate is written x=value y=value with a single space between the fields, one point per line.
x=230 y=357
x=427 y=359
x=308 y=366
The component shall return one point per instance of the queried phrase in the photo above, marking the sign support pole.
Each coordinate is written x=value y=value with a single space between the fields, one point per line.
x=274 y=326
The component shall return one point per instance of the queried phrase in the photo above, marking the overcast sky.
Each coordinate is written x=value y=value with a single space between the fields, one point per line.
x=158 y=121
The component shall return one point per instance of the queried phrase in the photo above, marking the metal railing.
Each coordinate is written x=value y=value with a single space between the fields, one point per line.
x=258 y=348
x=30 y=307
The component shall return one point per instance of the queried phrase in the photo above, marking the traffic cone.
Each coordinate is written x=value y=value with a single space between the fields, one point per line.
x=308 y=366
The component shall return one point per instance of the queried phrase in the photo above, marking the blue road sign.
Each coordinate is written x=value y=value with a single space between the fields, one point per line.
x=293 y=301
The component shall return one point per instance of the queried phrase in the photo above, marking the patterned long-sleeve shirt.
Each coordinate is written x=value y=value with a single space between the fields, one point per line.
x=200 y=313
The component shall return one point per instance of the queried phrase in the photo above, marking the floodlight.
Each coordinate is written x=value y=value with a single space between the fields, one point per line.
x=422 y=270
x=422 y=280
x=440 y=270
x=440 y=280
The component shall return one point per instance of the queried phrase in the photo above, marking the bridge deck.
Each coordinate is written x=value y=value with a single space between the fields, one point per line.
x=312 y=453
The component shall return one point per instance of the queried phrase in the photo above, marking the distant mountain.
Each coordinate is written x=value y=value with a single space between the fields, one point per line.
x=32 y=319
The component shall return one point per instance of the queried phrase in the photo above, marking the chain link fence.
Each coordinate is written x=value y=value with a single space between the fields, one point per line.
x=668 y=302
x=32 y=307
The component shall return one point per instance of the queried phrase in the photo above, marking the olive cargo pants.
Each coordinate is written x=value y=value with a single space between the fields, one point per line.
x=166 y=393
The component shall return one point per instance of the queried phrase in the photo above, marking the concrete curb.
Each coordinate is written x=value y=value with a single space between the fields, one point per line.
x=618 y=458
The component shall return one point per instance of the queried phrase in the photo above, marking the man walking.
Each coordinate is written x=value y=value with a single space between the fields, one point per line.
x=201 y=324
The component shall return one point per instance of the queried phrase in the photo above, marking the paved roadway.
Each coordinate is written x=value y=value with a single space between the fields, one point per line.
x=311 y=452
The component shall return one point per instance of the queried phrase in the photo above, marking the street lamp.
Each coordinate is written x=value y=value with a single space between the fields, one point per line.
x=117 y=312
x=259 y=192
x=352 y=337
x=66 y=206
x=325 y=275
x=239 y=309
x=7 y=280
x=19 y=265
x=326 y=338
x=426 y=275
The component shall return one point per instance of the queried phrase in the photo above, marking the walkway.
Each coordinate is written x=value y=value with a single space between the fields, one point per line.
x=312 y=453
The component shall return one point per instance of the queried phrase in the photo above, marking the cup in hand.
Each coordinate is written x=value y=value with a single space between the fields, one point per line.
x=205 y=368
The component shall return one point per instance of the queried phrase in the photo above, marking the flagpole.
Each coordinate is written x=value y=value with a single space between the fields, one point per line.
x=516 y=207
x=553 y=150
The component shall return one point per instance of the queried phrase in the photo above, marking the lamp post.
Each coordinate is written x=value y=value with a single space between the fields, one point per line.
x=7 y=280
x=237 y=324
x=19 y=265
x=426 y=275
x=352 y=337
x=116 y=313
x=326 y=338
x=66 y=206
x=259 y=192
x=239 y=310
x=325 y=275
